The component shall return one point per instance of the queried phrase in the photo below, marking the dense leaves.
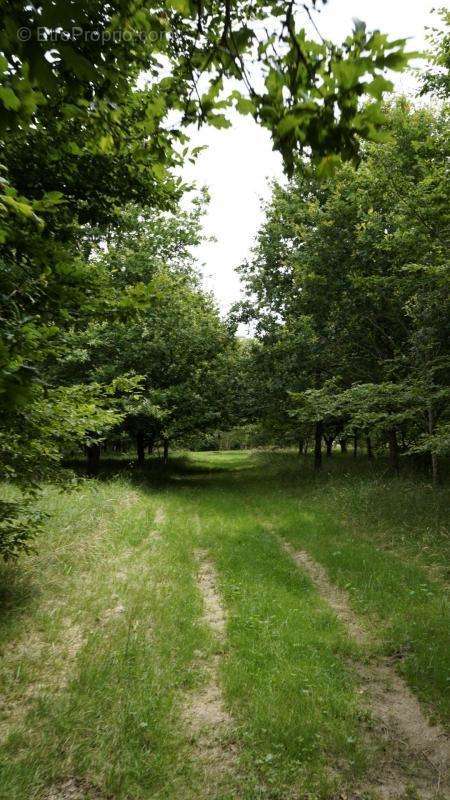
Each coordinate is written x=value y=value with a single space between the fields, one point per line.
x=84 y=58
x=350 y=284
x=160 y=326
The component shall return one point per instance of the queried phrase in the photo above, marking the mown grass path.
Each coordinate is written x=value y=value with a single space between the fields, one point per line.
x=163 y=644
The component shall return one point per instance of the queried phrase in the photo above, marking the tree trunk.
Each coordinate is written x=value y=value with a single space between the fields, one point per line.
x=140 y=448
x=306 y=447
x=343 y=443
x=329 y=443
x=93 y=458
x=165 y=451
x=369 y=448
x=433 y=456
x=318 y=445
x=393 y=451
x=355 y=445
x=301 y=445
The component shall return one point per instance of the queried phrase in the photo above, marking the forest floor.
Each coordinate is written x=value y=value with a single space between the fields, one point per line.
x=231 y=627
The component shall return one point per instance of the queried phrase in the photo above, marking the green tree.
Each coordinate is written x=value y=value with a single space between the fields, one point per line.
x=159 y=325
x=358 y=262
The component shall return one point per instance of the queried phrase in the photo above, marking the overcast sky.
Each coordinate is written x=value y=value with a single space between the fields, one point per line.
x=239 y=162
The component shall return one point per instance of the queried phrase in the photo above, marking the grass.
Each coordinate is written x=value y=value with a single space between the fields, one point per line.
x=386 y=543
x=106 y=709
x=101 y=629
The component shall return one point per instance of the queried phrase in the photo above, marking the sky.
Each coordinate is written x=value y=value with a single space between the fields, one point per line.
x=239 y=163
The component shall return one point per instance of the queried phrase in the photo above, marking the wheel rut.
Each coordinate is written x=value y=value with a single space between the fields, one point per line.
x=207 y=720
x=414 y=752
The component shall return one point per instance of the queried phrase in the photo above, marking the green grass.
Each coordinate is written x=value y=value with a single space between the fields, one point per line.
x=107 y=711
x=101 y=629
x=387 y=544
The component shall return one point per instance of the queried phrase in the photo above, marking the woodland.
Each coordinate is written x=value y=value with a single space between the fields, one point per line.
x=223 y=537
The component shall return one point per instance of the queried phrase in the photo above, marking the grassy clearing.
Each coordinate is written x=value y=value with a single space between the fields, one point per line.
x=103 y=636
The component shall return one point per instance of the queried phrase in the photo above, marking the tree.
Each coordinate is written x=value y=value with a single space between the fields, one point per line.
x=358 y=263
x=159 y=326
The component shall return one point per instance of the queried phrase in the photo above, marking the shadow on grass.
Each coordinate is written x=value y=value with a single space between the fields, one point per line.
x=218 y=470
x=19 y=591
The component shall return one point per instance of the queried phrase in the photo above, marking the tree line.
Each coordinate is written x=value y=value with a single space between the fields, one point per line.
x=348 y=288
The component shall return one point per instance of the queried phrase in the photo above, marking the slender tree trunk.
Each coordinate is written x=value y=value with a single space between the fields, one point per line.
x=355 y=445
x=329 y=443
x=306 y=447
x=393 y=451
x=343 y=443
x=433 y=456
x=93 y=458
x=140 y=448
x=318 y=445
x=301 y=445
x=369 y=448
x=165 y=451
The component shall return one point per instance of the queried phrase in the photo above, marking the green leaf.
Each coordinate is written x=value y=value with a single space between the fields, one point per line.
x=287 y=125
x=245 y=106
x=398 y=61
x=219 y=121
x=182 y=6
x=274 y=82
x=54 y=198
x=359 y=26
x=106 y=143
x=378 y=86
x=10 y=100
x=19 y=206
x=347 y=73
x=73 y=148
x=159 y=171
x=328 y=166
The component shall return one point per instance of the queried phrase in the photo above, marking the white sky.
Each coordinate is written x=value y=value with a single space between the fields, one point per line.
x=239 y=162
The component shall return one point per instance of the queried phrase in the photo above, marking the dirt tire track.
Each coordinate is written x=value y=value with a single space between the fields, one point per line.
x=74 y=789
x=408 y=736
x=209 y=724
x=160 y=516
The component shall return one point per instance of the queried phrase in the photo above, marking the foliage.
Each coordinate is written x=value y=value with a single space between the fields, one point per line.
x=348 y=284
x=159 y=325
x=436 y=78
x=84 y=59
x=20 y=522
